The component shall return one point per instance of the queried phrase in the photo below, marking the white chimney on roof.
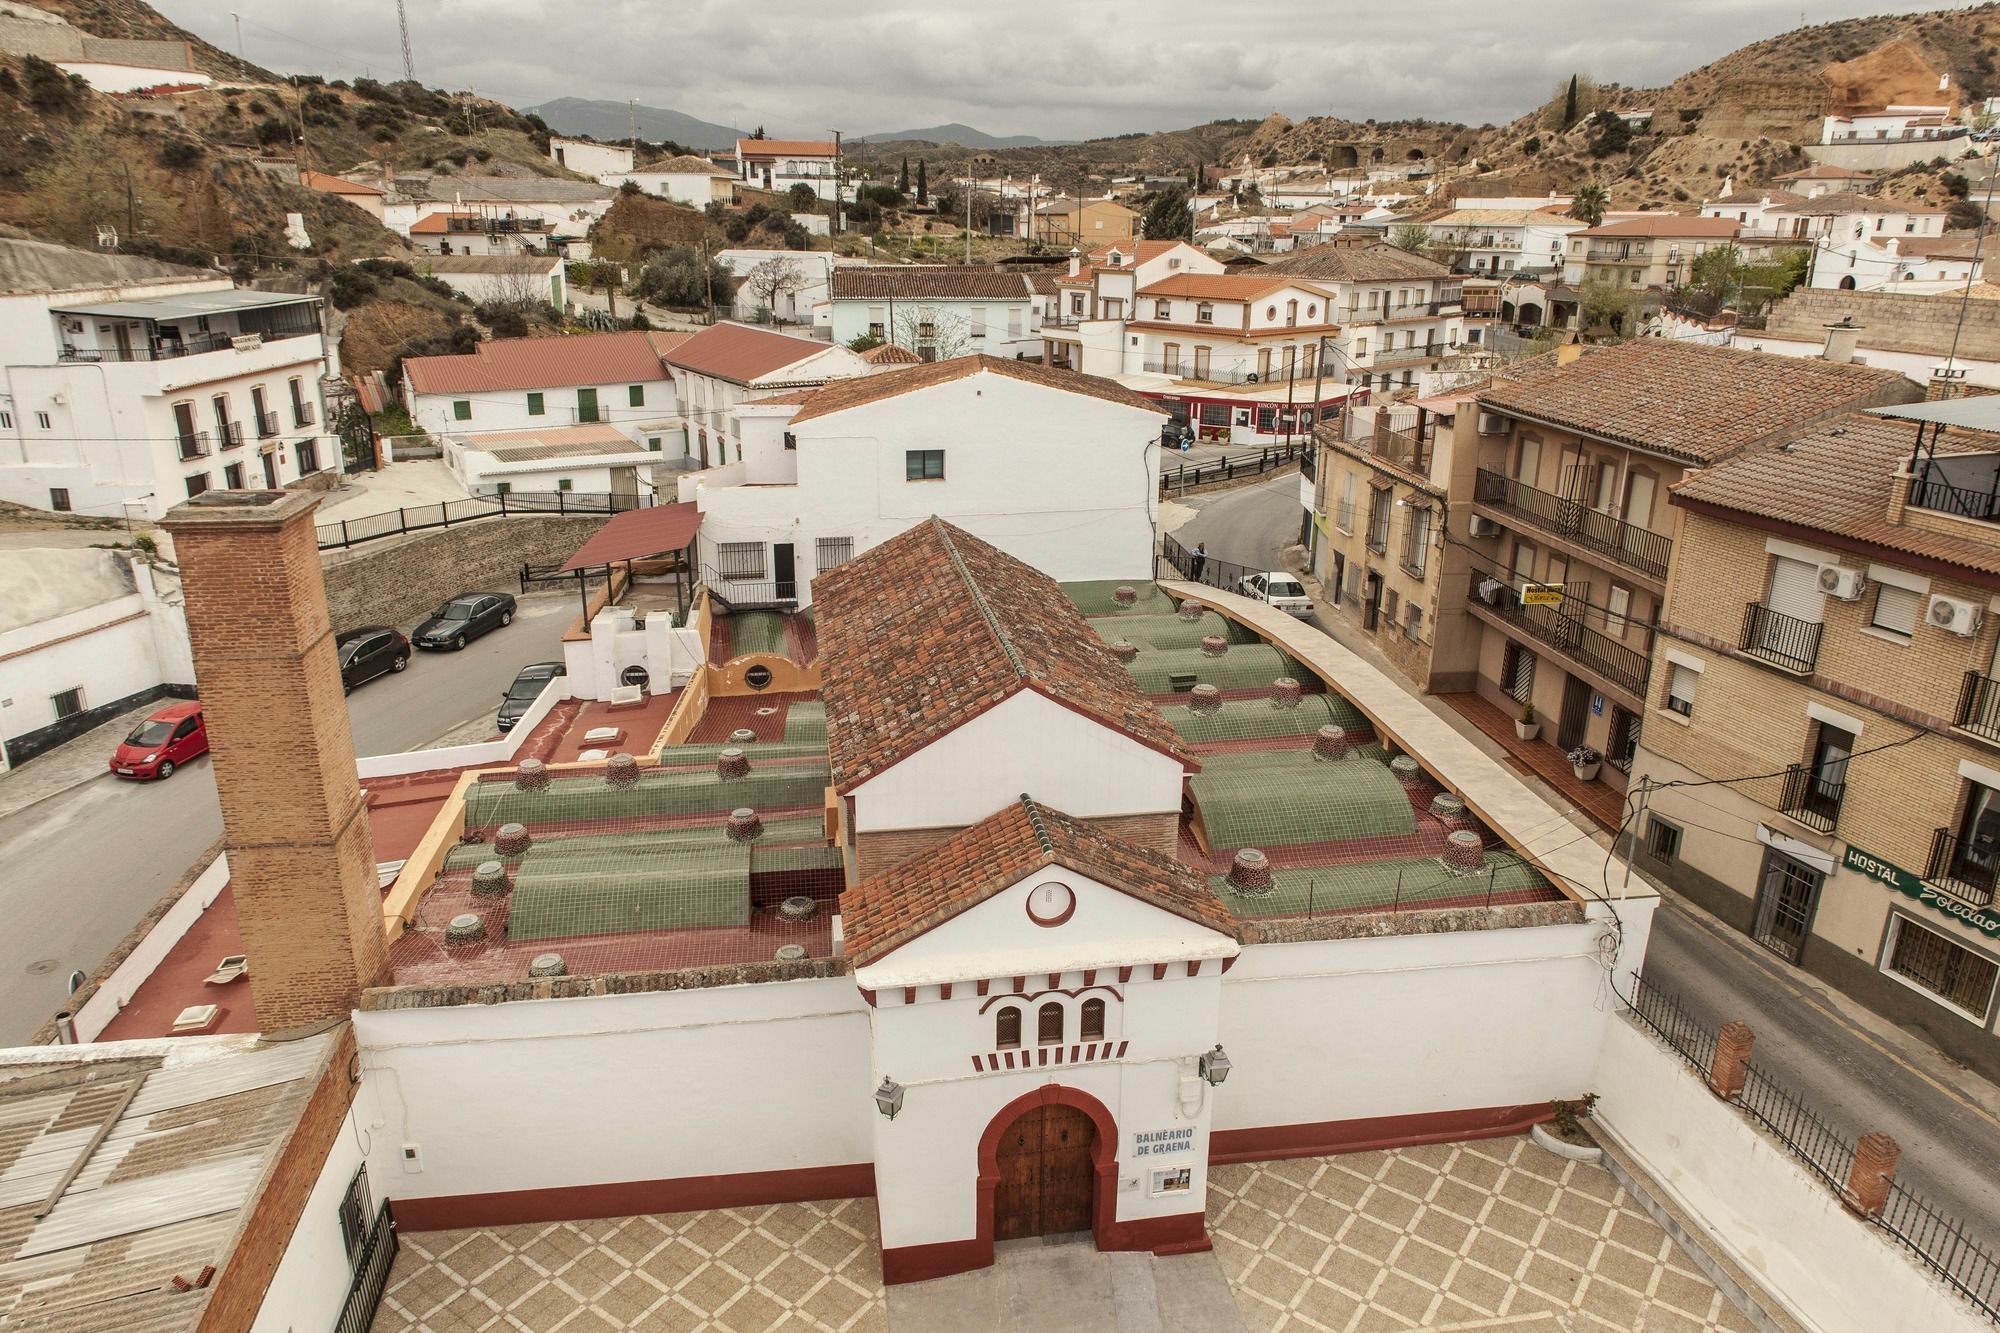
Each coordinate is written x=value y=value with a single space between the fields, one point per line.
x=1075 y=261
x=1842 y=339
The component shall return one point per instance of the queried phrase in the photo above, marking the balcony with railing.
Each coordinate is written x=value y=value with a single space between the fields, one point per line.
x=1637 y=548
x=267 y=425
x=1783 y=641
x=1402 y=358
x=229 y=433
x=1562 y=629
x=195 y=444
x=303 y=415
x=1965 y=485
x=1979 y=706
x=1966 y=869
x=1812 y=797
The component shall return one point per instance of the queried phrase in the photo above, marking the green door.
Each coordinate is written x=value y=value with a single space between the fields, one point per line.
x=586 y=404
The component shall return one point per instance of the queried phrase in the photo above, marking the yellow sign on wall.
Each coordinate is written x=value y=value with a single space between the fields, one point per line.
x=1541 y=594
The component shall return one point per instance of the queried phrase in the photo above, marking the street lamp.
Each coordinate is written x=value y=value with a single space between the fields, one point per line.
x=889 y=1097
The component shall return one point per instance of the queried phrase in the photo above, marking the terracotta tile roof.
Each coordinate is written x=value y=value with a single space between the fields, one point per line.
x=1836 y=202
x=1783 y=199
x=1143 y=251
x=436 y=224
x=739 y=353
x=664 y=341
x=1837 y=479
x=319 y=180
x=1663 y=224
x=1824 y=172
x=1357 y=263
x=928 y=282
x=784 y=148
x=1044 y=283
x=891 y=354
x=1226 y=286
x=933 y=627
x=540 y=363
x=1683 y=400
x=686 y=164
x=884 y=913
x=858 y=391
x=1498 y=217
x=1959 y=245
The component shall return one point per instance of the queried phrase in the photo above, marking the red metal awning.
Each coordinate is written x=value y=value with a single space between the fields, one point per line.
x=636 y=534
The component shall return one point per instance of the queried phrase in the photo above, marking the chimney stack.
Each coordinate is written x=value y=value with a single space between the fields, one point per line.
x=1842 y=340
x=301 y=854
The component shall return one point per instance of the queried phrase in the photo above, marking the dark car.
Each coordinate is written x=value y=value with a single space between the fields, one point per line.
x=463 y=619
x=534 y=678
x=163 y=742
x=371 y=651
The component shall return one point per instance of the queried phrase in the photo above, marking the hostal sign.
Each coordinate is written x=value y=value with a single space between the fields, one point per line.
x=1912 y=886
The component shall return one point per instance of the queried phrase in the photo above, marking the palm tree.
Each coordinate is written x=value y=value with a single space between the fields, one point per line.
x=1588 y=206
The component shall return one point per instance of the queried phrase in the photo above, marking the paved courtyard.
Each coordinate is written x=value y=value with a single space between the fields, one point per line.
x=1482 y=1235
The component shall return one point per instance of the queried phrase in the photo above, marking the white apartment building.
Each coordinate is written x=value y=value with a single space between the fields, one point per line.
x=1503 y=240
x=822 y=476
x=938 y=312
x=728 y=364
x=1397 y=315
x=530 y=386
x=1917 y=264
x=1893 y=123
x=1831 y=215
x=779 y=164
x=123 y=399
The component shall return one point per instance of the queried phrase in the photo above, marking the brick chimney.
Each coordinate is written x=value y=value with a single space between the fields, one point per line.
x=301 y=854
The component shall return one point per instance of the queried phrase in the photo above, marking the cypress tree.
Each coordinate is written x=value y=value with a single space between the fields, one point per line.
x=904 y=184
x=1569 y=104
x=923 y=184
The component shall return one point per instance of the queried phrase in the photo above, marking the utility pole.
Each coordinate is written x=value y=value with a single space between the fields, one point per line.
x=632 y=120
x=972 y=184
x=239 y=33
x=836 y=229
x=403 y=22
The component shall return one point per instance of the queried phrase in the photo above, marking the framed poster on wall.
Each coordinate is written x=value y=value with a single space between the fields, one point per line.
x=1173 y=1180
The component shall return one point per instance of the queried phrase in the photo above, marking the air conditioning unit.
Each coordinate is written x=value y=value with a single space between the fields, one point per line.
x=1484 y=527
x=1842 y=582
x=1492 y=423
x=1949 y=613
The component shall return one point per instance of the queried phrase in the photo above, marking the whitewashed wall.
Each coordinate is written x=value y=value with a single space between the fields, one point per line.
x=311 y=1284
x=608 y=1089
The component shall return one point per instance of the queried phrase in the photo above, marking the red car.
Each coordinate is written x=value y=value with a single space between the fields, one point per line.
x=162 y=743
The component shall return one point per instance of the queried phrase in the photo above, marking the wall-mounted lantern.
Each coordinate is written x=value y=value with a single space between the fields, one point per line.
x=1214 y=1068
x=889 y=1097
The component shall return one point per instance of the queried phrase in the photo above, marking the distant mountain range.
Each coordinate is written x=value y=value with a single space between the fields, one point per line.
x=613 y=120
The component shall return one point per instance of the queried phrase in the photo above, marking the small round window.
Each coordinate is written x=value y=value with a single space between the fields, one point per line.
x=1312 y=312
x=758 y=677
x=634 y=675
x=1270 y=312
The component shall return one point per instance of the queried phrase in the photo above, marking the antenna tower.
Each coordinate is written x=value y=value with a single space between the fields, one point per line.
x=403 y=22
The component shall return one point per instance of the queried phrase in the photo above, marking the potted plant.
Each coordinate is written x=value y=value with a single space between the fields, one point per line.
x=1526 y=726
x=1584 y=762
x=1564 y=1134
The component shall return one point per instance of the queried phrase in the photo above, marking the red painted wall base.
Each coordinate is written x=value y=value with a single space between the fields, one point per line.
x=570 y=1203
x=1329 y=1138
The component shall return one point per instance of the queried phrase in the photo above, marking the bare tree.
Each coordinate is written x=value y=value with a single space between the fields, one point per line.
x=771 y=279
x=933 y=334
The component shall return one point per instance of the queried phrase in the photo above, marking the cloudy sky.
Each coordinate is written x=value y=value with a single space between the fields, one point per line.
x=1057 y=68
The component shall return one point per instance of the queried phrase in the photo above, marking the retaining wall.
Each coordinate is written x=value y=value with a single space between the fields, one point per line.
x=399 y=581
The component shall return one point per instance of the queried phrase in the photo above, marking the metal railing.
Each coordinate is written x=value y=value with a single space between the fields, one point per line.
x=1782 y=640
x=194 y=444
x=1811 y=798
x=1646 y=551
x=1199 y=567
x=1963 y=869
x=231 y=433
x=371 y=1275
x=1939 y=1242
x=1562 y=629
x=418 y=518
x=1268 y=458
x=1979 y=706
x=303 y=415
x=166 y=349
x=267 y=425
x=1945 y=498
x=752 y=593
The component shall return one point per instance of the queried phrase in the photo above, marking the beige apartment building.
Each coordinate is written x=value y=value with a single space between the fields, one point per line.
x=1554 y=571
x=1825 y=711
x=1654 y=251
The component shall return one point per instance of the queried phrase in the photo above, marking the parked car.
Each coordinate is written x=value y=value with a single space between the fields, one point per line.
x=371 y=651
x=162 y=743
x=1280 y=590
x=463 y=619
x=527 y=687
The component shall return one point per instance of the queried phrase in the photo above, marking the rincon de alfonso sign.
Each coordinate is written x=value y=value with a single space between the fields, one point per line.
x=1912 y=886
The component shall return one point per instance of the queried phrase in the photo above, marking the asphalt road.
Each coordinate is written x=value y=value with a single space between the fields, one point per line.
x=1856 y=1071
x=83 y=866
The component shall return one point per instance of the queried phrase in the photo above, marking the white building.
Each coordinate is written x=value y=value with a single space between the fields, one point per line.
x=1503 y=240
x=508 y=278
x=533 y=384
x=1830 y=215
x=586 y=157
x=938 y=312
x=541 y=211
x=685 y=179
x=594 y=460
x=728 y=364
x=1399 y=315
x=84 y=635
x=1906 y=263
x=110 y=65
x=787 y=286
x=823 y=476
x=1894 y=123
x=779 y=164
x=122 y=398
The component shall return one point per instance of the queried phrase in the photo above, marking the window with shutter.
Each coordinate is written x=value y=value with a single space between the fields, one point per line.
x=1896 y=609
x=1795 y=590
x=1680 y=689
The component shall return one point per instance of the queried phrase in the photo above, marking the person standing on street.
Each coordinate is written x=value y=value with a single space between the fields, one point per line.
x=1199 y=562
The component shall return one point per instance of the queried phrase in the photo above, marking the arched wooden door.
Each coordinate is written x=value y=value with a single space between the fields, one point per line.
x=1046 y=1176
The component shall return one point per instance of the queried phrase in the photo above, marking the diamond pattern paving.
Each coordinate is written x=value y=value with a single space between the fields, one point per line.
x=799 y=1266
x=1490 y=1234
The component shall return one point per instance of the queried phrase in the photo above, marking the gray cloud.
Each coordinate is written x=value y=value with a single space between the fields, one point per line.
x=1057 y=68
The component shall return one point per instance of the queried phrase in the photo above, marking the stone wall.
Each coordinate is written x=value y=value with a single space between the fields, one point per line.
x=1891 y=321
x=399 y=581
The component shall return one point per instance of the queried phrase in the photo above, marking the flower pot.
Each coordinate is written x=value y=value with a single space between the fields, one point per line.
x=1576 y=1152
x=1527 y=731
x=1586 y=772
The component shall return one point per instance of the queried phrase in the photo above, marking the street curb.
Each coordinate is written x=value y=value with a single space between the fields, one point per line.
x=51 y=795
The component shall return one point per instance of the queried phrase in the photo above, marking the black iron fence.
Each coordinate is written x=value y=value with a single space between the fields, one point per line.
x=1268 y=458
x=1979 y=706
x=1779 y=639
x=371 y=1275
x=374 y=527
x=1938 y=1241
x=1646 y=551
x=750 y=592
x=1197 y=566
x=1812 y=797
x=1967 y=869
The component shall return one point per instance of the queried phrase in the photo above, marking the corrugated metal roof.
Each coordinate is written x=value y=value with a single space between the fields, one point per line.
x=187 y=305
